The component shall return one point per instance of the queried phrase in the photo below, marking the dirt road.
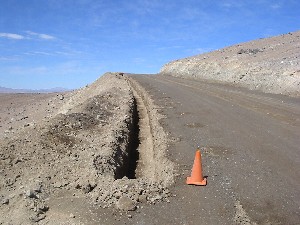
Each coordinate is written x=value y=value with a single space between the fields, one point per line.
x=251 y=154
x=71 y=158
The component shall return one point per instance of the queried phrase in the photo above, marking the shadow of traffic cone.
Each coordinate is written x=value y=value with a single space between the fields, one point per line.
x=196 y=177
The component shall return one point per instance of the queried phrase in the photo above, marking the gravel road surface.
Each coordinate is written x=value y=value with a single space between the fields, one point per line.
x=109 y=153
x=250 y=150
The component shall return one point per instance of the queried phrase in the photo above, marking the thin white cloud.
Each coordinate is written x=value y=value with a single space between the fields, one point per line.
x=41 y=36
x=38 y=53
x=54 y=53
x=63 y=53
x=12 y=36
x=226 y=5
x=229 y=4
x=30 y=33
x=138 y=60
x=21 y=70
x=276 y=6
x=68 y=53
x=170 y=47
x=46 y=36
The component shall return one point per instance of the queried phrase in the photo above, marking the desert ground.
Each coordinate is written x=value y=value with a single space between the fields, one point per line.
x=80 y=145
x=118 y=151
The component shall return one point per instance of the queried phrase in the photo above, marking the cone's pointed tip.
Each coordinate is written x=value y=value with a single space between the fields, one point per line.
x=198 y=152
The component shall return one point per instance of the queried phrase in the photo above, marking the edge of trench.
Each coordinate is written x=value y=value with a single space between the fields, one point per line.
x=150 y=157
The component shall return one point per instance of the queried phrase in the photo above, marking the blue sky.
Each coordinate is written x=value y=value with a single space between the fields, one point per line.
x=64 y=43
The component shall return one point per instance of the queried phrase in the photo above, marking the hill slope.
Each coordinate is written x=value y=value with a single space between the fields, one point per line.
x=270 y=65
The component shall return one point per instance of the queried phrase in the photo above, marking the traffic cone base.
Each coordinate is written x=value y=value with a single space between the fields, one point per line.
x=196 y=177
x=190 y=180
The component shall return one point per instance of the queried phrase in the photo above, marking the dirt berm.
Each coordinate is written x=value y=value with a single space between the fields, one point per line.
x=270 y=65
x=102 y=144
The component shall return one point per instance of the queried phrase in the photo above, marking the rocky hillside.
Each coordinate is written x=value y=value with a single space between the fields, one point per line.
x=270 y=65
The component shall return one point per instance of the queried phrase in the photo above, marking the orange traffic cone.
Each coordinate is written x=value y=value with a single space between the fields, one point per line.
x=196 y=177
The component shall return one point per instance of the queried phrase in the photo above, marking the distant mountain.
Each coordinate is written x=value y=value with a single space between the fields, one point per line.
x=51 y=90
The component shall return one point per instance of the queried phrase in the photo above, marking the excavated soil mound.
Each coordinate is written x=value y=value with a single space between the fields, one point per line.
x=102 y=144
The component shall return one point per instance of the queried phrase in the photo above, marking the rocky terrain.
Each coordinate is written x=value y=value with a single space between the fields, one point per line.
x=101 y=154
x=102 y=144
x=270 y=65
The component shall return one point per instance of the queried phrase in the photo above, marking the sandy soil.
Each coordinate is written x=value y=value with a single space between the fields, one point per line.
x=64 y=156
x=270 y=65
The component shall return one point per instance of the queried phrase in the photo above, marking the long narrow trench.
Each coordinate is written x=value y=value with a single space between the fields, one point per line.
x=139 y=161
x=128 y=164
x=144 y=164
x=134 y=142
